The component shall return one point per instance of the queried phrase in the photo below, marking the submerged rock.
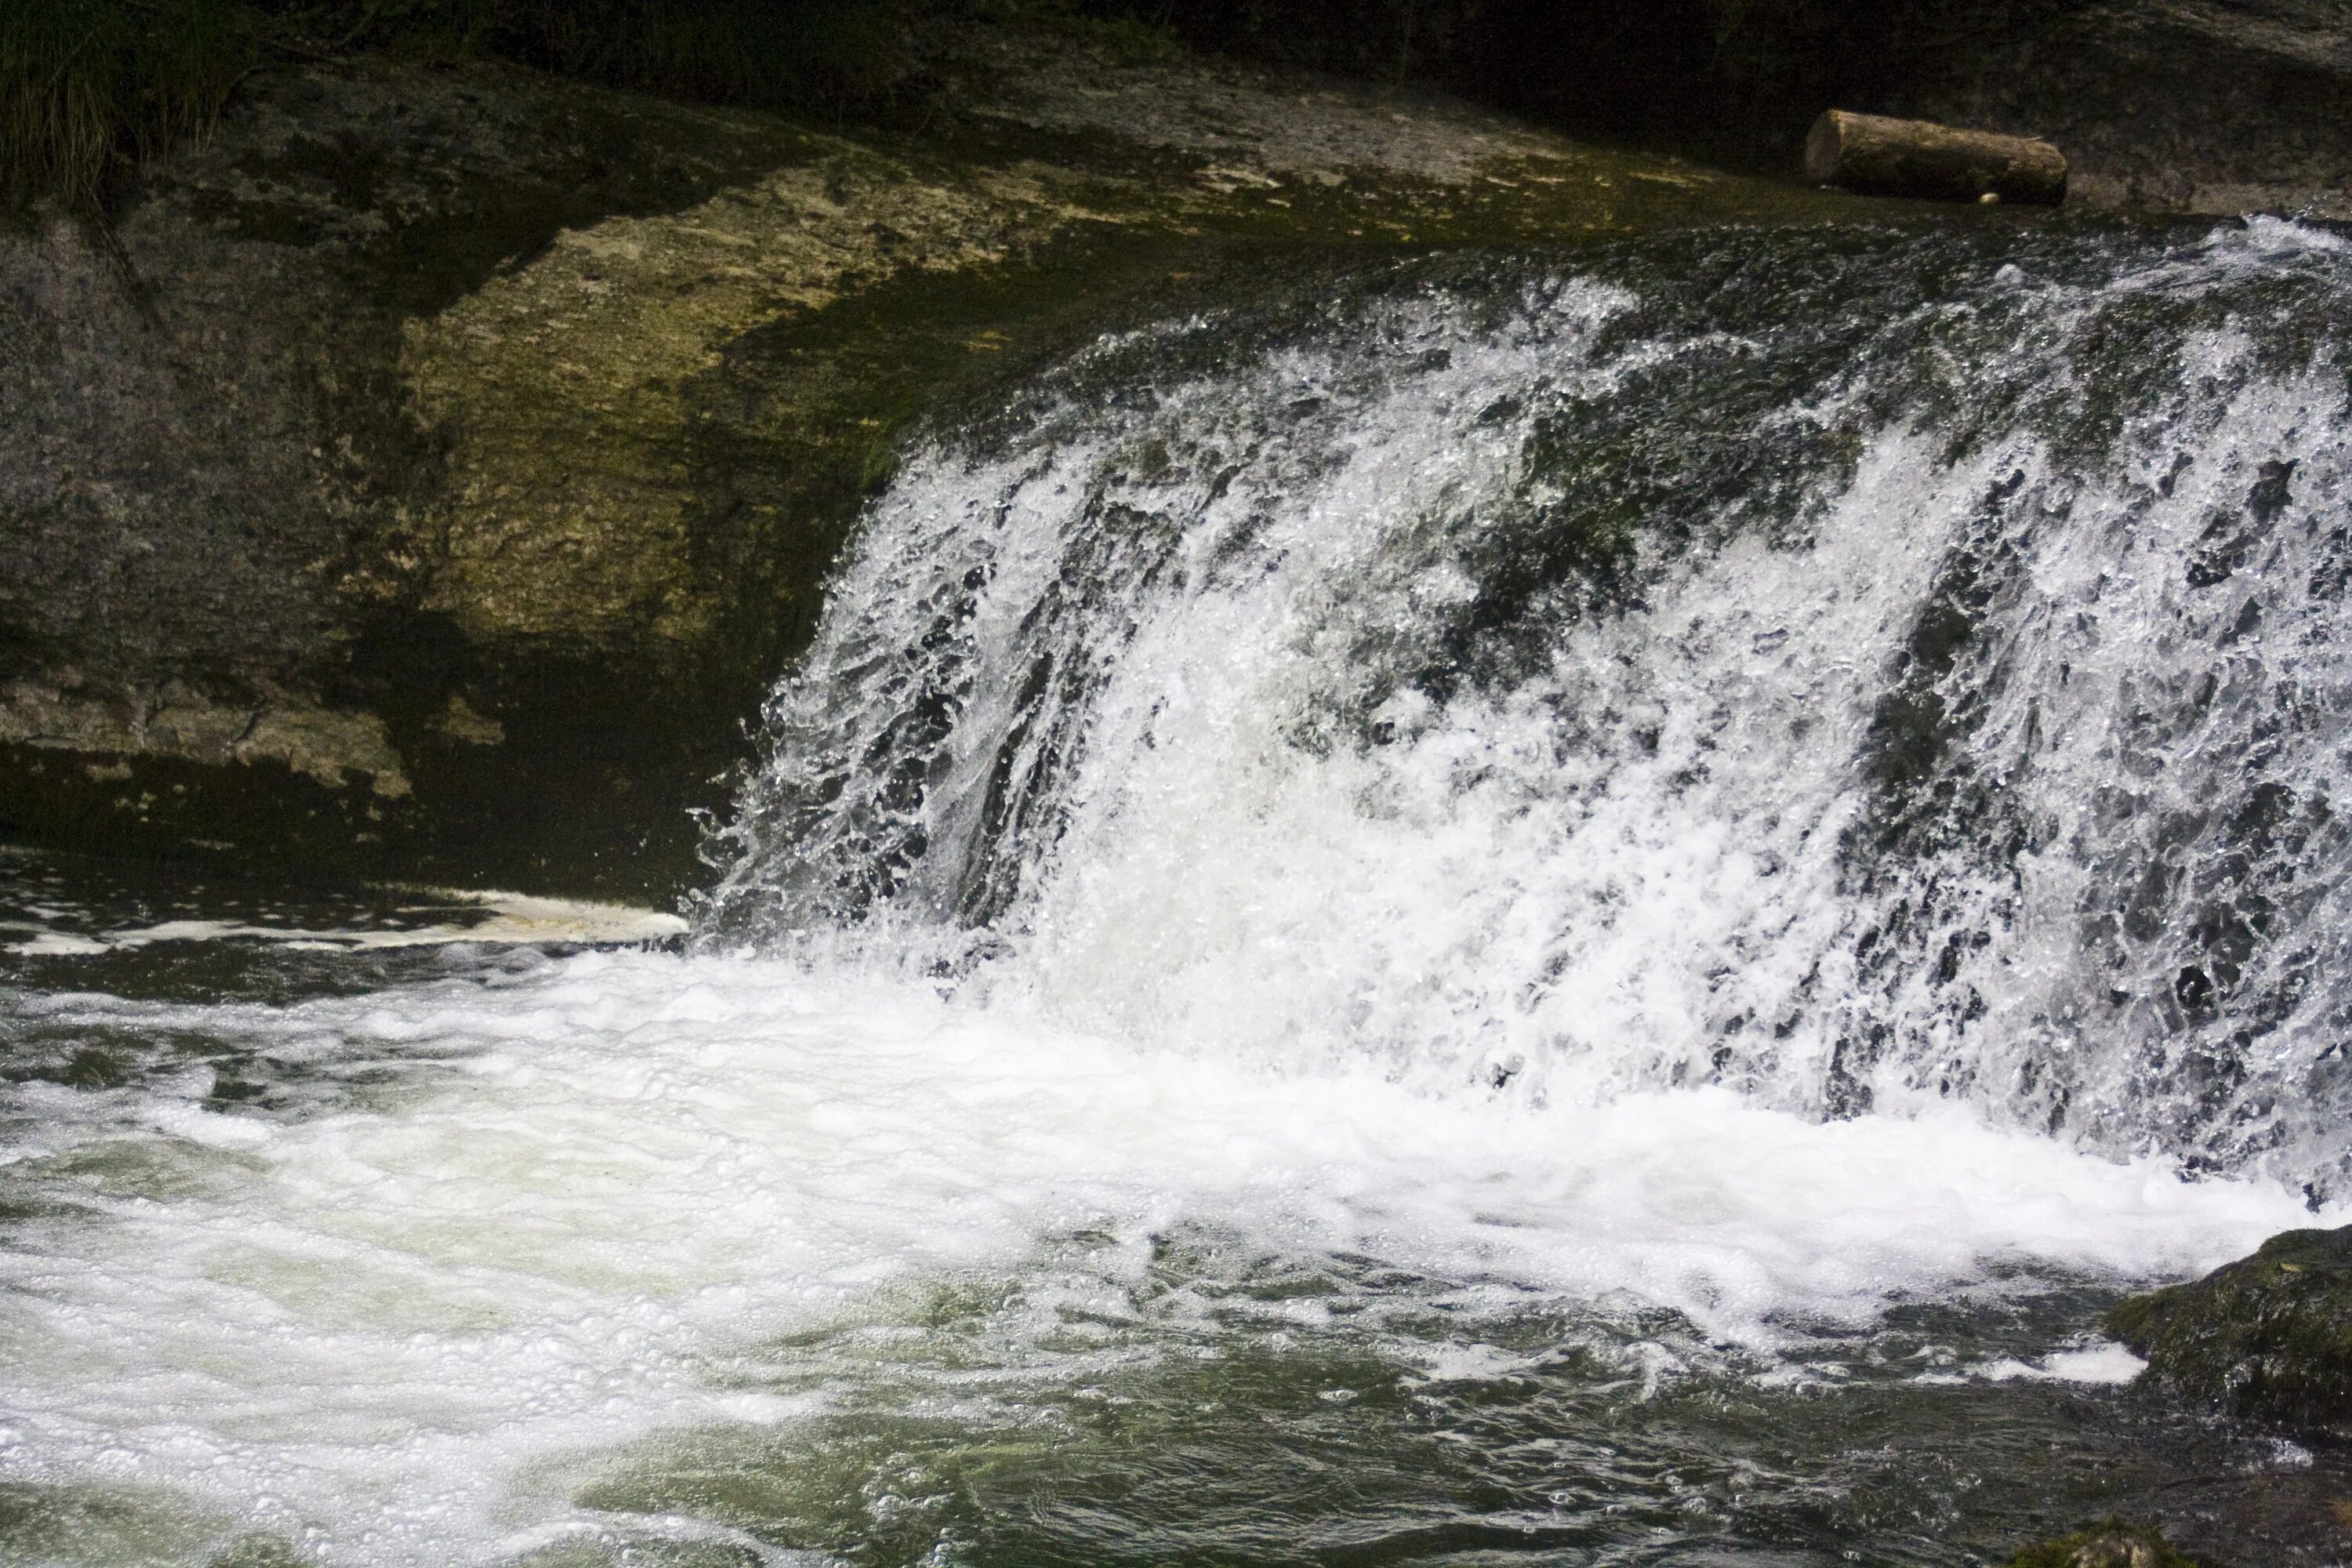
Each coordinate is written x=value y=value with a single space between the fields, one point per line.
x=2269 y=1337
x=2111 y=1544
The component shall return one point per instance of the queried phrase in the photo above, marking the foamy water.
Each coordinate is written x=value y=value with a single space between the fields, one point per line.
x=566 y=1204
x=1531 y=684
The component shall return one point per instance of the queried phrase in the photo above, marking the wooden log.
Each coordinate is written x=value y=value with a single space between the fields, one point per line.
x=1872 y=153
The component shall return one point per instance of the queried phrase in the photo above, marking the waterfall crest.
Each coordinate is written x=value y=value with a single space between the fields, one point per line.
x=1852 y=671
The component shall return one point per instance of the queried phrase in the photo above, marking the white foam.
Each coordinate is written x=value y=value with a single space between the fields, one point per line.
x=1256 y=978
x=2002 y=765
x=1582 y=886
x=2101 y=1363
x=631 y=1165
x=58 y=944
x=510 y=919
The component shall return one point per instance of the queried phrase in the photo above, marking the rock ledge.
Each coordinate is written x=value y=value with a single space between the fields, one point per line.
x=2268 y=1337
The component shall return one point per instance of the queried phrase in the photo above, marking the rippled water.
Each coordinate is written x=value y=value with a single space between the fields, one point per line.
x=1572 y=914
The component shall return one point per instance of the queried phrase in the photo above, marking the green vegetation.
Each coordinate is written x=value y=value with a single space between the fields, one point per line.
x=86 y=85
x=2111 y=1544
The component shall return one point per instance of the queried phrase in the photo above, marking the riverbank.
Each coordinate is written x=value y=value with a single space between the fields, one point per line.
x=428 y=475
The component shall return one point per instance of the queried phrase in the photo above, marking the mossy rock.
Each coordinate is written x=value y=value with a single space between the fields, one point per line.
x=2110 y=1545
x=260 y=1551
x=2268 y=1337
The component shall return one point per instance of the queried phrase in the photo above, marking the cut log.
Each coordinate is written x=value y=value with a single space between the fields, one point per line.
x=1872 y=153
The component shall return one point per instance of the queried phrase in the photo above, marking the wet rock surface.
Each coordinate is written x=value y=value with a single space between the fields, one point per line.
x=2269 y=1338
x=430 y=473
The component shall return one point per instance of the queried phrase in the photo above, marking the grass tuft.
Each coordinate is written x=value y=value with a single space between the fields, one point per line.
x=186 y=61
x=89 y=86
x=63 y=99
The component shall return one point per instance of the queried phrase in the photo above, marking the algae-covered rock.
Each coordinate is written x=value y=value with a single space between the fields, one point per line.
x=2269 y=1337
x=260 y=1551
x=2110 y=1545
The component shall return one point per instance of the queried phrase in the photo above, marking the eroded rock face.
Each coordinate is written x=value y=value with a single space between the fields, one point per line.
x=2268 y=1338
x=2199 y=106
x=216 y=496
x=431 y=472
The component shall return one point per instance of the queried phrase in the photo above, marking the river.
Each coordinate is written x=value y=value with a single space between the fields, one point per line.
x=1507 y=908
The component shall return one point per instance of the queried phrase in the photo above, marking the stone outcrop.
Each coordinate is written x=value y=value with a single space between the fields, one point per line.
x=219 y=507
x=428 y=474
x=2267 y=1338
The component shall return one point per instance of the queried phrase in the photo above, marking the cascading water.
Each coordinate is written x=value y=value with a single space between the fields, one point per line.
x=1834 y=676
x=1561 y=910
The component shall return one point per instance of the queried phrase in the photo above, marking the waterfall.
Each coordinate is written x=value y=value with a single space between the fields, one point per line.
x=1852 y=669
x=1589 y=905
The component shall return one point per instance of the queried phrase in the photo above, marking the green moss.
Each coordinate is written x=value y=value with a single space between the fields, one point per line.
x=260 y=1551
x=2112 y=1543
x=2269 y=1337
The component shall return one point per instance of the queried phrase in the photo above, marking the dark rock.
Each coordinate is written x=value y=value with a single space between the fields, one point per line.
x=2268 y=1337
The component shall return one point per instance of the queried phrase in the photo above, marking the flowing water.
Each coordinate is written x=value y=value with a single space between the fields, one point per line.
x=1506 y=908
